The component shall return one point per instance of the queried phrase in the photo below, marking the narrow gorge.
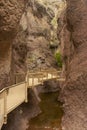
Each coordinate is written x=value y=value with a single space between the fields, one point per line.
x=41 y=35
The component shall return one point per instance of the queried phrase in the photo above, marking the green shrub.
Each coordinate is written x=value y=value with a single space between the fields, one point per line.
x=58 y=58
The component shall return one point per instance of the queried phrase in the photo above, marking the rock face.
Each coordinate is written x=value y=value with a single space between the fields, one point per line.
x=73 y=36
x=49 y=86
x=10 y=13
x=34 y=36
x=38 y=28
x=19 y=55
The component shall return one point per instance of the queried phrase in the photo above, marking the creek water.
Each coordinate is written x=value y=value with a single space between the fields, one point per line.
x=50 y=118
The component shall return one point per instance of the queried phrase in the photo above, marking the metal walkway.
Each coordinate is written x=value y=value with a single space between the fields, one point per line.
x=13 y=96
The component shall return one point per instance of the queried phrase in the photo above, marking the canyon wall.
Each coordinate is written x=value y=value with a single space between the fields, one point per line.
x=41 y=16
x=38 y=36
x=10 y=14
x=19 y=56
x=23 y=31
x=31 y=46
x=32 y=40
x=73 y=36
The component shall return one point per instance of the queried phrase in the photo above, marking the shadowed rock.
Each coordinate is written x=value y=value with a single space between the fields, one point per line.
x=10 y=14
x=73 y=36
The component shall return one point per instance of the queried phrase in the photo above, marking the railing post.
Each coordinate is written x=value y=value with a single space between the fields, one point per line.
x=42 y=79
x=5 y=107
x=26 y=87
x=15 y=79
x=51 y=75
x=38 y=79
x=29 y=82
x=28 y=79
x=47 y=76
x=32 y=82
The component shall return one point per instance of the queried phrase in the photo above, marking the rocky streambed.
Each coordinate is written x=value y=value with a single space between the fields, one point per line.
x=50 y=117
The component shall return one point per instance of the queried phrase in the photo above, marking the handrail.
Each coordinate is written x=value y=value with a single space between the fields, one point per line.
x=20 y=73
x=29 y=73
x=38 y=75
x=43 y=71
x=11 y=86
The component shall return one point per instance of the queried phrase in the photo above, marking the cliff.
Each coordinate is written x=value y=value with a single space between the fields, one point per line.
x=10 y=14
x=35 y=35
x=39 y=53
x=73 y=37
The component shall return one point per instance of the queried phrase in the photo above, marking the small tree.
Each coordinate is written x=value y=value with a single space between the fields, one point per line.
x=58 y=58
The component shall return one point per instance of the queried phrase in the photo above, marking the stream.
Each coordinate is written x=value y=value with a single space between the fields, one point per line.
x=50 y=118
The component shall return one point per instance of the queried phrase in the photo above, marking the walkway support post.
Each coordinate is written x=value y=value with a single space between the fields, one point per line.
x=26 y=87
x=32 y=82
x=38 y=79
x=51 y=75
x=47 y=75
x=28 y=77
x=5 y=107
x=42 y=79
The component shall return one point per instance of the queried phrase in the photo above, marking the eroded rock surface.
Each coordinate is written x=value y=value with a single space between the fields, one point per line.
x=73 y=36
x=19 y=55
x=34 y=37
x=36 y=22
x=10 y=14
x=49 y=86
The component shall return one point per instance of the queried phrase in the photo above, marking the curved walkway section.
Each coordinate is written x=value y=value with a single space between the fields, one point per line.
x=13 y=96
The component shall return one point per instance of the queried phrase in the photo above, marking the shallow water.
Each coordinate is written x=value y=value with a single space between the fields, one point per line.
x=50 y=118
